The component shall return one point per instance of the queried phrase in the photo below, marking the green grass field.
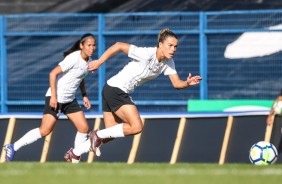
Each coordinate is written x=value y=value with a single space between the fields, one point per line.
x=138 y=173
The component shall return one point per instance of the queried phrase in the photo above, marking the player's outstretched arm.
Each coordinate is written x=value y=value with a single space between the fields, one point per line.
x=180 y=84
x=117 y=47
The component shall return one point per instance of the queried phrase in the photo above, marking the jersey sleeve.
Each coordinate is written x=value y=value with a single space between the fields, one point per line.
x=170 y=69
x=67 y=63
x=139 y=53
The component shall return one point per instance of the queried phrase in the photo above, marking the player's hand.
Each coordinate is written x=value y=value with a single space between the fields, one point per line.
x=193 y=80
x=93 y=65
x=53 y=103
x=86 y=102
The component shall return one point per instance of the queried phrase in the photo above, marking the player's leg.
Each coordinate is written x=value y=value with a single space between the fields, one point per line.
x=74 y=112
x=81 y=143
x=47 y=123
x=30 y=137
x=110 y=120
x=81 y=125
x=117 y=105
x=74 y=154
x=131 y=125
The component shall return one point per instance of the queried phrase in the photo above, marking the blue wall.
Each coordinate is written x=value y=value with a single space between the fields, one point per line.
x=31 y=45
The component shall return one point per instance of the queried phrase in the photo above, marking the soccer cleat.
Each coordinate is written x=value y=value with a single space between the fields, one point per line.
x=71 y=157
x=95 y=142
x=10 y=152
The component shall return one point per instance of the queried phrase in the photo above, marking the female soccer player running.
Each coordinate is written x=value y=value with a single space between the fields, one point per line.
x=121 y=116
x=65 y=79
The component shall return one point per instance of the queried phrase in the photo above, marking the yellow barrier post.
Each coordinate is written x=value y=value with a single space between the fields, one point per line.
x=226 y=140
x=134 y=148
x=45 y=148
x=178 y=140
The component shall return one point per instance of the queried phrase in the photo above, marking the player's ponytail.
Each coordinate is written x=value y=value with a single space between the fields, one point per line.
x=76 y=45
x=164 y=34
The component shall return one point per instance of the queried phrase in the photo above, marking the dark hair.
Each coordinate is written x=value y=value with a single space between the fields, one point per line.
x=76 y=45
x=164 y=34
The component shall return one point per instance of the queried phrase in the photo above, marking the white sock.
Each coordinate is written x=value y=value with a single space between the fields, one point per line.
x=80 y=138
x=111 y=132
x=30 y=137
x=82 y=148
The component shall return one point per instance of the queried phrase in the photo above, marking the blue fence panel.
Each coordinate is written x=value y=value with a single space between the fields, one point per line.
x=3 y=65
x=232 y=21
x=242 y=76
x=148 y=22
x=50 y=24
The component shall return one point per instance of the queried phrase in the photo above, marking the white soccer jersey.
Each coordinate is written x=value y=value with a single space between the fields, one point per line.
x=143 y=67
x=74 y=71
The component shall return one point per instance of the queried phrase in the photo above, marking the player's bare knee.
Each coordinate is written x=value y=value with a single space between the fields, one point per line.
x=138 y=129
x=44 y=132
x=83 y=129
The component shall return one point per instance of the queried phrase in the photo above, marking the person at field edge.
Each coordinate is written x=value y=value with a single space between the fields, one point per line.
x=270 y=120
x=65 y=79
x=120 y=114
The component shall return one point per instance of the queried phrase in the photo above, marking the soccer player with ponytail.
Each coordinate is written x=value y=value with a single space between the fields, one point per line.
x=64 y=81
x=121 y=116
